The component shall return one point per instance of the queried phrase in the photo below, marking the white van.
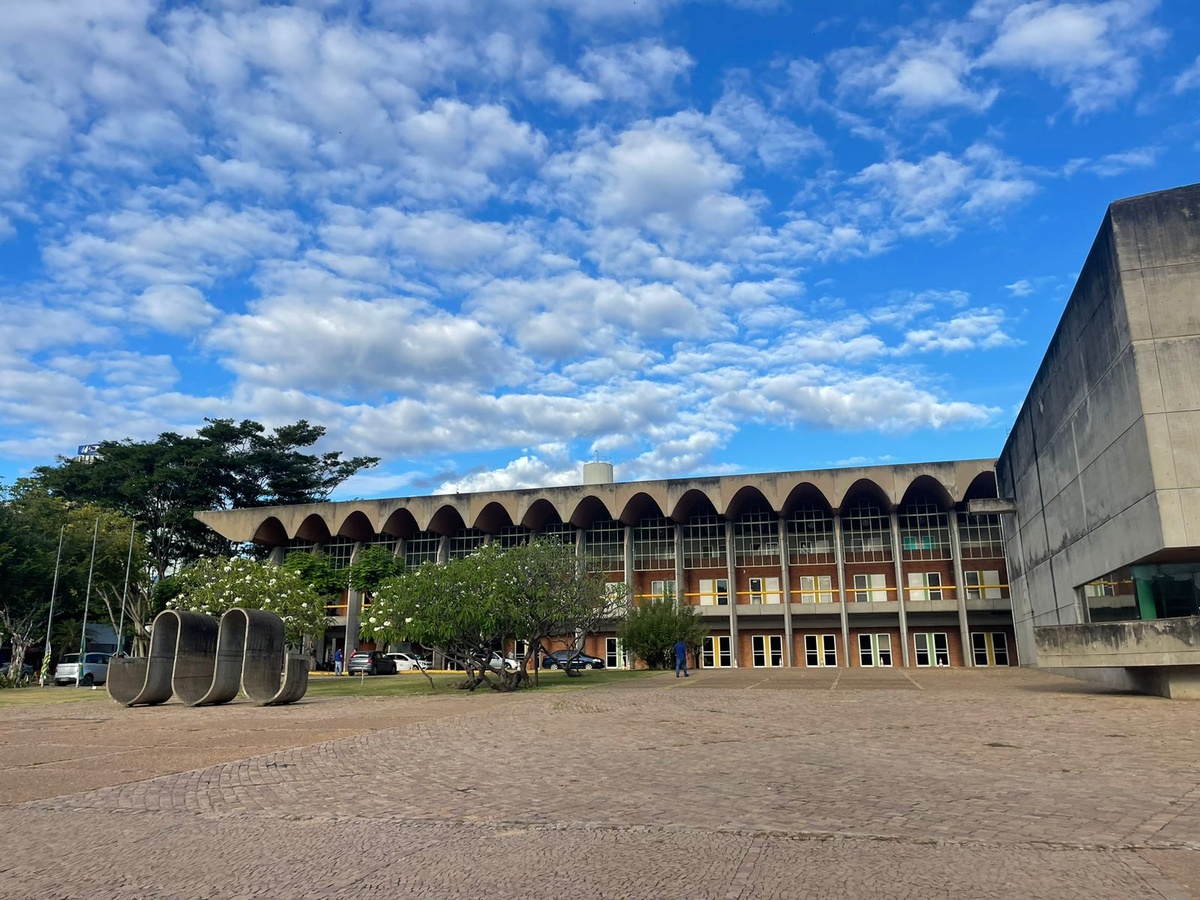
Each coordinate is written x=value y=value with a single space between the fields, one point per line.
x=94 y=671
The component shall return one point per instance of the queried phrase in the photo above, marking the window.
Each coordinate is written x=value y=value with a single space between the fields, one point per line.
x=704 y=542
x=768 y=650
x=866 y=533
x=763 y=590
x=756 y=538
x=422 y=547
x=981 y=536
x=662 y=590
x=933 y=648
x=716 y=652
x=924 y=530
x=558 y=531
x=654 y=545
x=816 y=589
x=520 y=649
x=604 y=546
x=870 y=588
x=338 y=551
x=810 y=536
x=924 y=585
x=511 y=536
x=714 y=591
x=875 y=650
x=989 y=648
x=983 y=585
x=820 y=650
x=464 y=542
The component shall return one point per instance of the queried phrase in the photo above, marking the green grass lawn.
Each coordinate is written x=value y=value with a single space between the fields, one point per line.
x=323 y=685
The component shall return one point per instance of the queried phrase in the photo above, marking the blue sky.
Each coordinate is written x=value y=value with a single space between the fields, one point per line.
x=488 y=242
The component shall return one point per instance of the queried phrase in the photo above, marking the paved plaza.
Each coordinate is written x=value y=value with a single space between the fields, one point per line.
x=740 y=784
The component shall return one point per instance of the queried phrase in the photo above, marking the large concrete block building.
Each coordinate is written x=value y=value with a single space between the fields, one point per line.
x=1078 y=549
x=1103 y=462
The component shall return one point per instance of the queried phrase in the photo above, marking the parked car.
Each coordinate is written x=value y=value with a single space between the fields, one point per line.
x=503 y=662
x=93 y=671
x=560 y=659
x=407 y=662
x=373 y=662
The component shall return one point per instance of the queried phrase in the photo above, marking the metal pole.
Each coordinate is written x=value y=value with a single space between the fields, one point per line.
x=50 y=617
x=125 y=593
x=87 y=597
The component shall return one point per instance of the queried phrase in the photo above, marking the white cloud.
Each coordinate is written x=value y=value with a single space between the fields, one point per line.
x=175 y=309
x=1114 y=164
x=1022 y=287
x=974 y=330
x=1092 y=49
x=1189 y=78
x=919 y=75
x=635 y=73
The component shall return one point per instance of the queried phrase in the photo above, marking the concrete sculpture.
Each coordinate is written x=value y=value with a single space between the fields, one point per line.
x=204 y=662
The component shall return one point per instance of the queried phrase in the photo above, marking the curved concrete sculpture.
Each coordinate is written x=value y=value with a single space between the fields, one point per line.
x=204 y=663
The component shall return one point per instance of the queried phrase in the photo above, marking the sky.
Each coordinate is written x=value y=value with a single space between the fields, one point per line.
x=490 y=241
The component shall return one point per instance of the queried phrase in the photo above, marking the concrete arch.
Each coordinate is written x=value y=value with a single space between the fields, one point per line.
x=805 y=492
x=313 y=528
x=867 y=487
x=927 y=485
x=692 y=502
x=640 y=506
x=540 y=514
x=748 y=497
x=493 y=517
x=400 y=523
x=982 y=486
x=271 y=533
x=588 y=510
x=356 y=526
x=447 y=520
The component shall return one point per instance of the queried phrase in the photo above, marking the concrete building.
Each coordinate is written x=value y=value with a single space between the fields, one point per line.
x=877 y=566
x=1102 y=464
x=1092 y=512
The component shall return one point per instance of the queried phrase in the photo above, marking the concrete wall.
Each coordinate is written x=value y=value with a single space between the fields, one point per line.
x=1101 y=460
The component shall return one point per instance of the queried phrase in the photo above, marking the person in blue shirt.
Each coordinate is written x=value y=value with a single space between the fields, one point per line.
x=681 y=658
x=337 y=662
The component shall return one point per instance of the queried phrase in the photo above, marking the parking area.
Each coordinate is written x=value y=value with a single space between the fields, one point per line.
x=729 y=784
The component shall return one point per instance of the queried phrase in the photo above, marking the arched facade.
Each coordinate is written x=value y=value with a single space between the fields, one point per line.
x=871 y=566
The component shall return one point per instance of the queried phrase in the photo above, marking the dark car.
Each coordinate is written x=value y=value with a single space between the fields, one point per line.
x=373 y=662
x=560 y=659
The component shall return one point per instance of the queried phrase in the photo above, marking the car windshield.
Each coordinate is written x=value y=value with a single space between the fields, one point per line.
x=70 y=658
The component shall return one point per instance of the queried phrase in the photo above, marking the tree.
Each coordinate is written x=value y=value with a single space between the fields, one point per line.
x=372 y=567
x=161 y=483
x=31 y=521
x=468 y=608
x=653 y=626
x=216 y=585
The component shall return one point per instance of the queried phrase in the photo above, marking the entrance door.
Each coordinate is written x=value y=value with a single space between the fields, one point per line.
x=717 y=654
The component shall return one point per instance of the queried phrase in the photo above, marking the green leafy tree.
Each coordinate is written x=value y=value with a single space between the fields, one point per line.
x=215 y=585
x=653 y=626
x=469 y=607
x=161 y=483
x=372 y=567
x=31 y=521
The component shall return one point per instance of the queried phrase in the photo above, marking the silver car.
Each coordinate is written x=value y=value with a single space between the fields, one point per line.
x=94 y=670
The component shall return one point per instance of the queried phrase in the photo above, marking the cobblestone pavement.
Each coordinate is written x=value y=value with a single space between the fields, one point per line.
x=739 y=784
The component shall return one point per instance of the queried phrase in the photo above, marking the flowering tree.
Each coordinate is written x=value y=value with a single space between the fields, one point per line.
x=215 y=585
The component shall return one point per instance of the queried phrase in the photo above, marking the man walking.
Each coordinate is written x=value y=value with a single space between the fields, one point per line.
x=337 y=662
x=681 y=658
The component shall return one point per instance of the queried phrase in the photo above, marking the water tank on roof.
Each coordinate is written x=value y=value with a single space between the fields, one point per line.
x=598 y=472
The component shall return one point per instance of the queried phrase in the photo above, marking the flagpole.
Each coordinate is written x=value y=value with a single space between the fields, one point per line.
x=125 y=593
x=50 y=618
x=87 y=597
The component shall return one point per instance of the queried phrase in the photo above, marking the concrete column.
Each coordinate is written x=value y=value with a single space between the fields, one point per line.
x=353 y=610
x=679 y=571
x=900 y=595
x=629 y=562
x=730 y=574
x=840 y=559
x=443 y=550
x=277 y=556
x=786 y=586
x=960 y=578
